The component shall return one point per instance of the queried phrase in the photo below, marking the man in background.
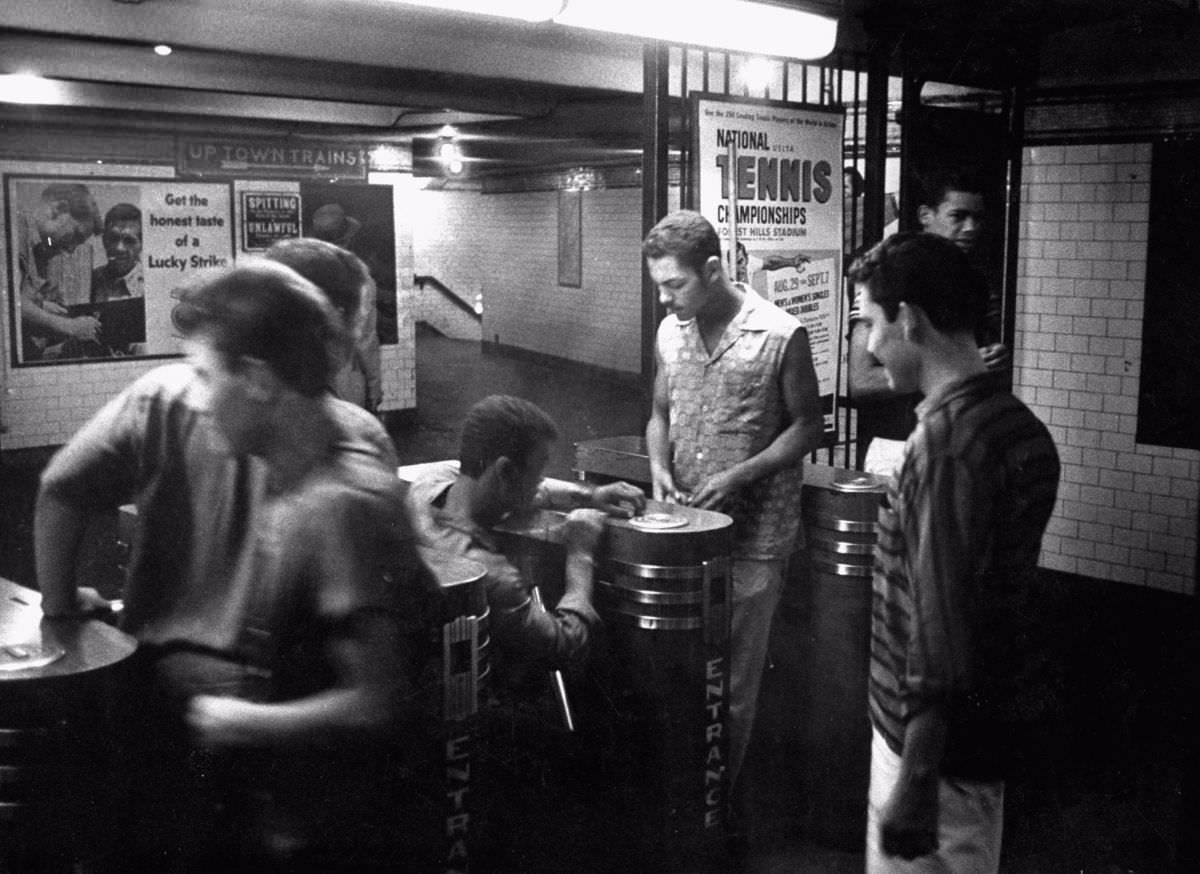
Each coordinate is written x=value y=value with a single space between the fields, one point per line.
x=269 y=554
x=331 y=224
x=344 y=279
x=62 y=221
x=955 y=658
x=952 y=207
x=735 y=410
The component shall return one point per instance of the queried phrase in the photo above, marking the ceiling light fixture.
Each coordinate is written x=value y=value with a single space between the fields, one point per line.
x=526 y=10
x=30 y=89
x=756 y=74
x=759 y=28
x=732 y=25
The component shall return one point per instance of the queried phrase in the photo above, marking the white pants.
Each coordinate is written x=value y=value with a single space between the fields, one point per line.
x=757 y=585
x=970 y=821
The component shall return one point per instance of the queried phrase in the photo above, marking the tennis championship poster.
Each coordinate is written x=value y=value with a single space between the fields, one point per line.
x=768 y=176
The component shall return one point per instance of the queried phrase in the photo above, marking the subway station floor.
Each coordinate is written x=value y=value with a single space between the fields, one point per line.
x=1112 y=791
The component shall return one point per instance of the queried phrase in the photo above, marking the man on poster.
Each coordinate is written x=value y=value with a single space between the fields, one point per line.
x=735 y=411
x=64 y=218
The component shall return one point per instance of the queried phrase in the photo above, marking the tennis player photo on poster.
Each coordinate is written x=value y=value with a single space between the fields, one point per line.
x=93 y=261
x=768 y=176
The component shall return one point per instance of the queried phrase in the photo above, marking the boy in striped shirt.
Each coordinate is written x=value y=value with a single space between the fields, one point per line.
x=953 y=663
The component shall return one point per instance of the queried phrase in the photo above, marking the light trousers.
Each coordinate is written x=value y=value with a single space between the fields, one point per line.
x=757 y=585
x=970 y=822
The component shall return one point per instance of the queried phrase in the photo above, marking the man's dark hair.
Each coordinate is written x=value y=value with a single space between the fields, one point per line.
x=935 y=185
x=267 y=311
x=79 y=201
x=502 y=426
x=340 y=274
x=122 y=212
x=924 y=270
x=685 y=235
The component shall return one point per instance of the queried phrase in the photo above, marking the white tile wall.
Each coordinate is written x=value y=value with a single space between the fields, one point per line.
x=1126 y=511
x=435 y=309
x=506 y=245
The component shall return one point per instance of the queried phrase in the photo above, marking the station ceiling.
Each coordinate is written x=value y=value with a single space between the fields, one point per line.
x=544 y=94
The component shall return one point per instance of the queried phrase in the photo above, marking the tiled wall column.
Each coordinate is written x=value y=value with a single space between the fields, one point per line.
x=1126 y=511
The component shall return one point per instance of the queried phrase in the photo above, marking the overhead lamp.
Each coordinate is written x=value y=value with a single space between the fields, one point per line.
x=31 y=89
x=450 y=155
x=759 y=28
x=756 y=74
x=731 y=25
x=526 y=10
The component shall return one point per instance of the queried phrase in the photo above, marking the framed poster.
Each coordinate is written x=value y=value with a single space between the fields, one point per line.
x=768 y=176
x=1168 y=392
x=93 y=262
x=268 y=217
x=570 y=238
x=360 y=218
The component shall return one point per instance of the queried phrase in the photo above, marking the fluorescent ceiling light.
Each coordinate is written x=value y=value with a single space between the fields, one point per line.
x=756 y=74
x=31 y=89
x=526 y=10
x=732 y=25
x=729 y=25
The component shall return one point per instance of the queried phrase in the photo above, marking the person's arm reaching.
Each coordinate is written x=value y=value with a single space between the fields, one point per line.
x=615 y=499
x=361 y=702
x=951 y=528
x=362 y=641
x=581 y=537
x=58 y=528
x=658 y=439
x=909 y=823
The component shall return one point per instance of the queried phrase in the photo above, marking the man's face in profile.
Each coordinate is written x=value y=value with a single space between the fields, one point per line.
x=123 y=246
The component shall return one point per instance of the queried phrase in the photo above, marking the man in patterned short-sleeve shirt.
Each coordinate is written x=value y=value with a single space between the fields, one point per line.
x=735 y=410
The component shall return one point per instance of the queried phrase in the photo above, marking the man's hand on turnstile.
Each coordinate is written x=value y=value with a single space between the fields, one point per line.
x=720 y=490
x=619 y=499
x=88 y=604
x=583 y=530
x=666 y=490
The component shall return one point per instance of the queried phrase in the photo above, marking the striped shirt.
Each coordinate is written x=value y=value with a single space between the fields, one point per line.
x=955 y=595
